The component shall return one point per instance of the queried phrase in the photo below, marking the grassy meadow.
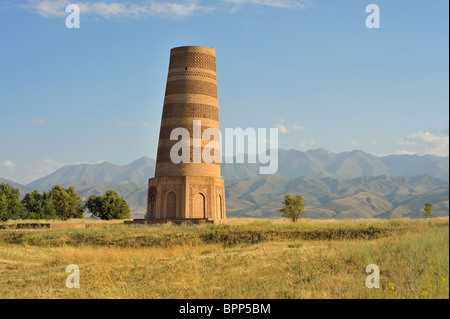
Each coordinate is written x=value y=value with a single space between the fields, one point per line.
x=242 y=258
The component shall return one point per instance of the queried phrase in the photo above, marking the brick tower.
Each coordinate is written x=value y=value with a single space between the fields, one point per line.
x=188 y=190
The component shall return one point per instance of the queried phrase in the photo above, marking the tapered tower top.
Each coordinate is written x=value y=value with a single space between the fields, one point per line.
x=193 y=48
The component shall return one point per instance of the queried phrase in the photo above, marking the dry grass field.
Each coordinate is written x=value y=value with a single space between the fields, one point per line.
x=243 y=258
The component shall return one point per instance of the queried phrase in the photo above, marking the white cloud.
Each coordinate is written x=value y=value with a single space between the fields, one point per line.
x=274 y=3
x=373 y=142
x=90 y=163
x=404 y=152
x=354 y=142
x=177 y=9
x=7 y=164
x=304 y=144
x=39 y=121
x=145 y=124
x=168 y=9
x=425 y=143
x=48 y=8
x=298 y=127
x=283 y=129
x=381 y=154
x=108 y=9
x=124 y=124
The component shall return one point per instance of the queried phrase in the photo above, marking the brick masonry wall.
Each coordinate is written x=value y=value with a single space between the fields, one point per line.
x=191 y=190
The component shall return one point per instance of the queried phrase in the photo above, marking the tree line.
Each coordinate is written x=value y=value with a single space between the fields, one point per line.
x=60 y=203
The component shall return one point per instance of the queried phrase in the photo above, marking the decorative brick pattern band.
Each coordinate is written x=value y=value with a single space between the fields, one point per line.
x=196 y=110
x=193 y=60
x=165 y=131
x=191 y=87
x=192 y=169
x=192 y=73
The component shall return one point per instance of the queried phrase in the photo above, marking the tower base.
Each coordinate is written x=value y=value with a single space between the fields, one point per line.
x=185 y=198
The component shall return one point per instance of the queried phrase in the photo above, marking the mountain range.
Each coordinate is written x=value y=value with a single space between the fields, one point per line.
x=291 y=163
x=322 y=163
x=137 y=172
x=334 y=185
x=360 y=197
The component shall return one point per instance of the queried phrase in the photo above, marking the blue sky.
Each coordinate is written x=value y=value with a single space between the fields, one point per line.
x=310 y=68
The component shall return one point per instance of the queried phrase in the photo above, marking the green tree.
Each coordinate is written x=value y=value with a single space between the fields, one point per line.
x=293 y=207
x=38 y=206
x=67 y=202
x=10 y=204
x=76 y=203
x=428 y=210
x=4 y=214
x=109 y=206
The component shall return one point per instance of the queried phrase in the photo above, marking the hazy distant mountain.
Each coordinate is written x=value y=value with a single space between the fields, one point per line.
x=137 y=172
x=362 y=197
x=7 y=181
x=322 y=163
x=23 y=189
x=430 y=165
